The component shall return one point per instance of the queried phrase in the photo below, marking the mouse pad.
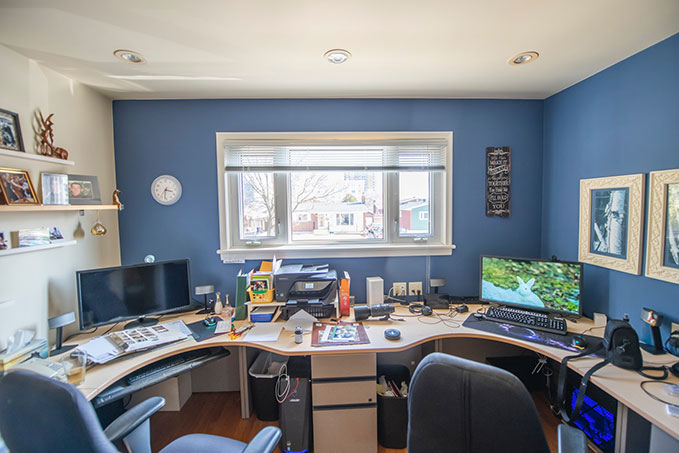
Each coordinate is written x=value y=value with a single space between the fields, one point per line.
x=532 y=335
x=200 y=332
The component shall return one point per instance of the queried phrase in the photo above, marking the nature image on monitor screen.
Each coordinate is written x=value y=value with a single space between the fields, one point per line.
x=534 y=284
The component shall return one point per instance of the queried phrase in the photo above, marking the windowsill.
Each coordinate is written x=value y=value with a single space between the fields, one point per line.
x=238 y=255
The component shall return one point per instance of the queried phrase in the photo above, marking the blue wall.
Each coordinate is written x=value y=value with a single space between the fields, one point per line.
x=623 y=120
x=178 y=137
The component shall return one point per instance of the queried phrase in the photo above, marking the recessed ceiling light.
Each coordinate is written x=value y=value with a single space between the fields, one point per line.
x=130 y=56
x=337 y=56
x=523 y=58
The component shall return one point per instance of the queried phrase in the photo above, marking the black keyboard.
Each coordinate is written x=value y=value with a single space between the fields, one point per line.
x=161 y=366
x=525 y=318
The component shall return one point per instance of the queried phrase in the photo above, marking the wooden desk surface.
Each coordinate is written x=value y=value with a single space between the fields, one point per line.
x=621 y=384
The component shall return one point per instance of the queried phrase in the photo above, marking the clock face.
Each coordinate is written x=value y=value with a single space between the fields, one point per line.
x=166 y=190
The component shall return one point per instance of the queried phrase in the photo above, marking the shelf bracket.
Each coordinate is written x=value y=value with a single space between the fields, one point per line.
x=81 y=212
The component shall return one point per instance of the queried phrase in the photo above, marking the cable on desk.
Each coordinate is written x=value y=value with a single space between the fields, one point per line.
x=390 y=297
x=644 y=384
x=80 y=333
x=110 y=329
x=441 y=319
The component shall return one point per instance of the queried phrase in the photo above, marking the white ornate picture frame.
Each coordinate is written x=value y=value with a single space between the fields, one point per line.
x=662 y=241
x=612 y=222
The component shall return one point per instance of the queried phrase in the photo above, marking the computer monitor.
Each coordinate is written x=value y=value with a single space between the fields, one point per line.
x=539 y=285
x=116 y=294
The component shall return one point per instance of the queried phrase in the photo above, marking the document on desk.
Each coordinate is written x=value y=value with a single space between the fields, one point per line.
x=117 y=344
x=265 y=331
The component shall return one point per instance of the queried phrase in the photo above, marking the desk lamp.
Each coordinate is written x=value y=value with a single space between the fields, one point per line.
x=58 y=322
x=204 y=291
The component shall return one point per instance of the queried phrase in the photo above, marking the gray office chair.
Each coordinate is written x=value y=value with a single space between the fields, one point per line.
x=41 y=415
x=463 y=406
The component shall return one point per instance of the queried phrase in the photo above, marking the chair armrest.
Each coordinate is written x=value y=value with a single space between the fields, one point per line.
x=265 y=441
x=130 y=420
x=571 y=440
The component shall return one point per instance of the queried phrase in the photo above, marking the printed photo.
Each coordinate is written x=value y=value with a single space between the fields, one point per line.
x=4 y=240
x=10 y=132
x=610 y=212
x=671 y=258
x=54 y=189
x=16 y=187
x=55 y=234
x=80 y=189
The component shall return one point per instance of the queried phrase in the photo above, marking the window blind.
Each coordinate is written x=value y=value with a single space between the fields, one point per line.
x=336 y=155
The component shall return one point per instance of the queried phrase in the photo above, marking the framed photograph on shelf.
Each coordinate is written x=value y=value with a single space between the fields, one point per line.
x=16 y=187
x=611 y=222
x=83 y=189
x=10 y=131
x=4 y=240
x=54 y=189
x=662 y=240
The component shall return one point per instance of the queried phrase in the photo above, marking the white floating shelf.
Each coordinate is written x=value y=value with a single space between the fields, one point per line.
x=35 y=248
x=66 y=207
x=38 y=157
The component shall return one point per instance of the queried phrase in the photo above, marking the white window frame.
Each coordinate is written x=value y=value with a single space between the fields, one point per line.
x=233 y=250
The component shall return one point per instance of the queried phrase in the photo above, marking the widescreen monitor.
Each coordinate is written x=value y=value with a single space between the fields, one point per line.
x=538 y=285
x=117 y=294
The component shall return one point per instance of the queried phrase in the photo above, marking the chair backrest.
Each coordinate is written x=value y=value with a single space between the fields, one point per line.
x=39 y=414
x=463 y=406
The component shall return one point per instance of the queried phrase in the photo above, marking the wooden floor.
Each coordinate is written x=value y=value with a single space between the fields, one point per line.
x=219 y=414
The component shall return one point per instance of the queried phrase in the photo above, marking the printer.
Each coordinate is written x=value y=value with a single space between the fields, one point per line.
x=305 y=282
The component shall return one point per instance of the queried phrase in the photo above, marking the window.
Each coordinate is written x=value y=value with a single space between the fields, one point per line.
x=298 y=195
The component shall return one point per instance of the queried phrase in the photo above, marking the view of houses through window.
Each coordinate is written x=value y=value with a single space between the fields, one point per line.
x=334 y=205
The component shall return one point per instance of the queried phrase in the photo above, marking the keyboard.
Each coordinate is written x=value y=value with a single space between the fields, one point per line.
x=150 y=371
x=525 y=318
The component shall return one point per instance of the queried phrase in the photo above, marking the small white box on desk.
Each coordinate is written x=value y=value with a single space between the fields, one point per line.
x=374 y=290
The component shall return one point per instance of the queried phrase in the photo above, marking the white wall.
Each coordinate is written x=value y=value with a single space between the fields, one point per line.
x=41 y=284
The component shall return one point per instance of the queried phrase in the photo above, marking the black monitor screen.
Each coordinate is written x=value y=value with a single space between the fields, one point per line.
x=115 y=294
x=533 y=284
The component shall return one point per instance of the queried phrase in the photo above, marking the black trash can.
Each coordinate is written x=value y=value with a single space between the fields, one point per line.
x=392 y=411
x=263 y=375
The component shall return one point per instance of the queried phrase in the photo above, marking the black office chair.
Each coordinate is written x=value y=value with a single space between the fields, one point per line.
x=41 y=415
x=463 y=406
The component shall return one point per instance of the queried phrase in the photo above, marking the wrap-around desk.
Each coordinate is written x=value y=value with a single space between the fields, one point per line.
x=621 y=384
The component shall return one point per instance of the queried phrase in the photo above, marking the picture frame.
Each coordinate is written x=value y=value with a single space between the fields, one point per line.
x=612 y=221
x=662 y=237
x=83 y=189
x=4 y=240
x=10 y=132
x=16 y=187
x=54 y=188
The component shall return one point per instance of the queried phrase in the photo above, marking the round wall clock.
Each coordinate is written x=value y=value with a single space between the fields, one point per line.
x=166 y=190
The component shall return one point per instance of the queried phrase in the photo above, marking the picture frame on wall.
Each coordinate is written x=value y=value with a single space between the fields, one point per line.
x=611 y=222
x=10 y=131
x=16 y=187
x=662 y=239
x=54 y=189
x=83 y=189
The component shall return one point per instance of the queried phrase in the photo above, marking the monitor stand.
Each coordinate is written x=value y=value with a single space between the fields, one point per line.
x=141 y=322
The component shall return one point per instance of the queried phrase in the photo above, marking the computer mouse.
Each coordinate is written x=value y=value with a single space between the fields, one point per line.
x=478 y=315
x=579 y=342
x=392 y=334
x=209 y=321
x=427 y=310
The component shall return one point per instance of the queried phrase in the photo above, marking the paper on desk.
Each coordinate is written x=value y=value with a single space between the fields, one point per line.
x=223 y=327
x=264 y=331
x=300 y=319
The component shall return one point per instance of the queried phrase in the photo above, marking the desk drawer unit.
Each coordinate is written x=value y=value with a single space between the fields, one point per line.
x=344 y=403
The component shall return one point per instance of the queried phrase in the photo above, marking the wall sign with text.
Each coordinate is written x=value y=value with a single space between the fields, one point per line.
x=498 y=181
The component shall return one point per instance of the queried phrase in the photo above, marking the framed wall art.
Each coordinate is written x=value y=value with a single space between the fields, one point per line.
x=611 y=222
x=10 y=131
x=662 y=240
x=16 y=187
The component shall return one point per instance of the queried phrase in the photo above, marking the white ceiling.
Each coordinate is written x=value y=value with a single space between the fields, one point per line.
x=274 y=48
